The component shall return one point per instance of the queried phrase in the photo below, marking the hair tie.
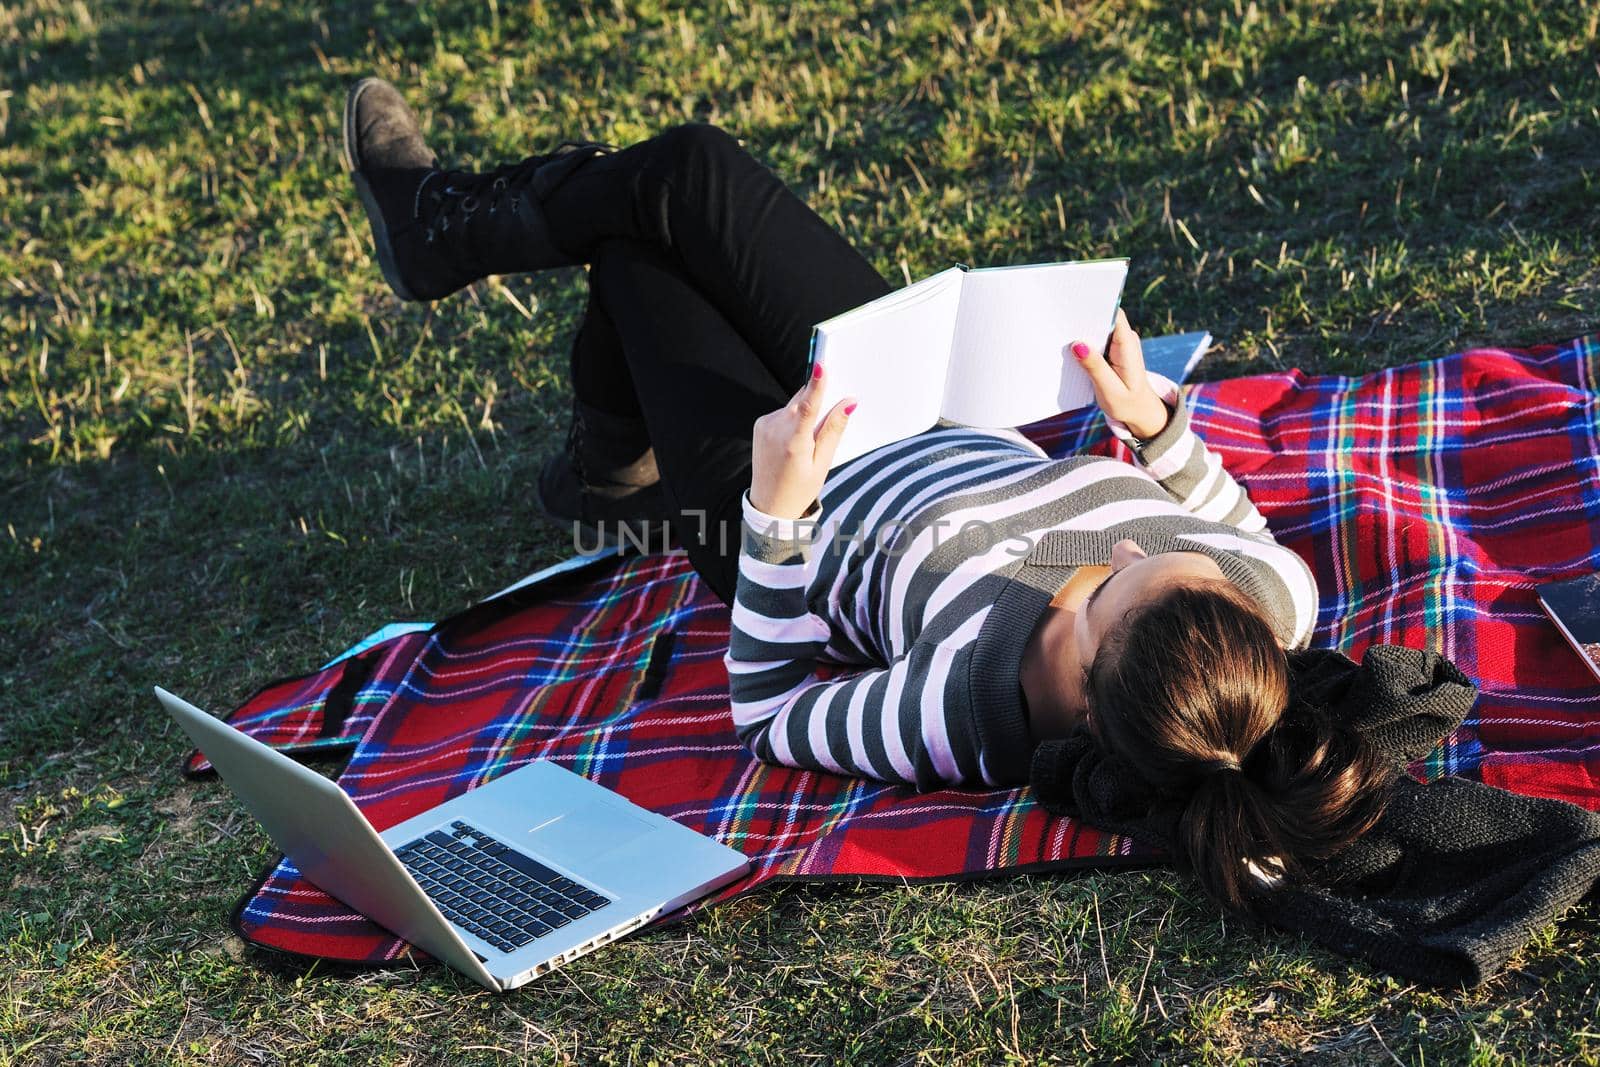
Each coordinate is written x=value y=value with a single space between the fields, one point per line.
x=1228 y=763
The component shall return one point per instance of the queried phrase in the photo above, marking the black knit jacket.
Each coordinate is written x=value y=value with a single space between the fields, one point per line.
x=1454 y=878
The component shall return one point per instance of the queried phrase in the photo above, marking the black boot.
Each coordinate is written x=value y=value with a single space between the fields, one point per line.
x=438 y=231
x=606 y=481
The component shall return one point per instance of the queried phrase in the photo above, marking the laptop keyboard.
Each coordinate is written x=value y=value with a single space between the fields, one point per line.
x=493 y=891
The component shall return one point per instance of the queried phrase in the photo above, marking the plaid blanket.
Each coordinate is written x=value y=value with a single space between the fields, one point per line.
x=1428 y=500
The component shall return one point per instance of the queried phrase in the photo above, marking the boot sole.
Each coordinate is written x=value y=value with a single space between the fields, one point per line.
x=380 y=229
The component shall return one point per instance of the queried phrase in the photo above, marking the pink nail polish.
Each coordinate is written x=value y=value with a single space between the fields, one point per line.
x=816 y=370
x=1080 y=350
x=848 y=408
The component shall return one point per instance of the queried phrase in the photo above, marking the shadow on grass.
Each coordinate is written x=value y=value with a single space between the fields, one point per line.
x=213 y=572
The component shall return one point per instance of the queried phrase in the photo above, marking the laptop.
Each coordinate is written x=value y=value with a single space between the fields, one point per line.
x=506 y=882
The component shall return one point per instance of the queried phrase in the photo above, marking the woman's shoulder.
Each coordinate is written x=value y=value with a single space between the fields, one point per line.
x=1274 y=574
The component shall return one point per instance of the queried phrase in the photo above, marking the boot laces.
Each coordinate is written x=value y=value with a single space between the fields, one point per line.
x=575 y=442
x=448 y=198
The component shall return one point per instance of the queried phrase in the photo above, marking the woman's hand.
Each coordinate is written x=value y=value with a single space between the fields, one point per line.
x=789 y=461
x=1120 y=385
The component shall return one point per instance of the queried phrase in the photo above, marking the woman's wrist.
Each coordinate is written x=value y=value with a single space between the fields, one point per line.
x=787 y=510
x=1151 y=420
x=753 y=509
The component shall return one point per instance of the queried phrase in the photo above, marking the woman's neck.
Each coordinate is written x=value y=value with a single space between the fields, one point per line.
x=1050 y=674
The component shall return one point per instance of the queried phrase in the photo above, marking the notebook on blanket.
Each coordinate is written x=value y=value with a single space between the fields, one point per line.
x=1429 y=500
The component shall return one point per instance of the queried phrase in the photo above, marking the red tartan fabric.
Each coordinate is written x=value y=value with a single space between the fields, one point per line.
x=1429 y=500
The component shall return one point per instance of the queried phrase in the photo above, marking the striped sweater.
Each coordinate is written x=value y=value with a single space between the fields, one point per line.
x=928 y=562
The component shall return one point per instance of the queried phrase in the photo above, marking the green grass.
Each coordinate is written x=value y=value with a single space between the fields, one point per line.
x=228 y=451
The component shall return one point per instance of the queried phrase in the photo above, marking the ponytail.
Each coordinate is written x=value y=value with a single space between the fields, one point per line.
x=1193 y=691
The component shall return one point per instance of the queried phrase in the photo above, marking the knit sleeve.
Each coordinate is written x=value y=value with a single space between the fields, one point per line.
x=1284 y=585
x=1190 y=472
x=898 y=723
x=1193 y=475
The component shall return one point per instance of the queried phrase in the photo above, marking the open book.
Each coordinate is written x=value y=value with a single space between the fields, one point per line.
x=987 y=347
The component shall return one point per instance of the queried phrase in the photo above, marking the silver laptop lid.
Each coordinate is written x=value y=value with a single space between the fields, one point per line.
x=317 y=826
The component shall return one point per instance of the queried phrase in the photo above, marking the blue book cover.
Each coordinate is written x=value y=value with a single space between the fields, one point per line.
x=1176 y=354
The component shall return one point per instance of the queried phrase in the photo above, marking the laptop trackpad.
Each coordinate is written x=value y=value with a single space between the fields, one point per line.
x=585 y=834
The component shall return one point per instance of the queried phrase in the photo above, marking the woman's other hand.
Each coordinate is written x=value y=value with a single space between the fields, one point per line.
x=1120 y=385
x=791 y=452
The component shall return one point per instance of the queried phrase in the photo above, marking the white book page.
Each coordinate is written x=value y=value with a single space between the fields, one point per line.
x=1011 y=363
x=891 y=355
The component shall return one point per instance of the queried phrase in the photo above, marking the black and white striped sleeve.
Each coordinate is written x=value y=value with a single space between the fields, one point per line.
x=1193 y=476
x=1190 y=472
x=871 y=723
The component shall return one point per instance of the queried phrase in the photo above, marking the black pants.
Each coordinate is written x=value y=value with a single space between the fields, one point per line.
x=706 y=274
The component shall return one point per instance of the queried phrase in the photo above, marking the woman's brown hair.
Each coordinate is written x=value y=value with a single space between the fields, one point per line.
x=1192 y=689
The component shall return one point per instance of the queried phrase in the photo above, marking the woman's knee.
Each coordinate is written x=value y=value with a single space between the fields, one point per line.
x=694 y=145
